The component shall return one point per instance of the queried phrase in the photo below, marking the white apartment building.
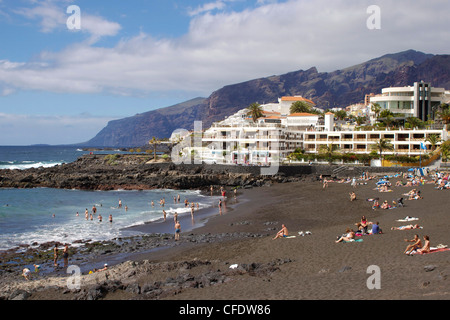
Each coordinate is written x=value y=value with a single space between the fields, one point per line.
x=405 y=142
x=418 y=100
x=240 y=140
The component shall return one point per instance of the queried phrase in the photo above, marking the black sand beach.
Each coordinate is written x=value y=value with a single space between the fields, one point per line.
x=311 y=267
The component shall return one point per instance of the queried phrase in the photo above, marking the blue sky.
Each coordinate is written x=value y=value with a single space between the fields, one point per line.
x=61 y=86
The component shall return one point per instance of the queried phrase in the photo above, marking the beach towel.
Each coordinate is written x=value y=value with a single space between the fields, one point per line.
x=289 y=237
x=432 y=250
x=408 y=219
x=353 y=240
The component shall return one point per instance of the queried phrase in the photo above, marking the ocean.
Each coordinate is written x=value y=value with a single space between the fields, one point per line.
x=39 y=215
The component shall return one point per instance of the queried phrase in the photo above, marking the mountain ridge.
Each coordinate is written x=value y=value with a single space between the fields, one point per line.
x=339 y=88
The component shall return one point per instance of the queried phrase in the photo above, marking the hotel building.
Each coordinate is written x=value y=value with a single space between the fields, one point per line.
x=240 y=140
x=417 y=101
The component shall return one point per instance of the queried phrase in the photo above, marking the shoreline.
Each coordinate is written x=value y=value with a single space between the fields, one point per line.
x=159 y=231
x=309 y=267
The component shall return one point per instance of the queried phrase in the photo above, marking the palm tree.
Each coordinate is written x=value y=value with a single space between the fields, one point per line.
x=255 y=111
x=360 y=120
x=341 y=114
x=388 y=121
x=445 y=115
x=300 y=107
x=434 y=140
x=154 y=141
x=383 y=145
x=414 y=122
x=445 y=150
x=328 y=150
x=376 y=108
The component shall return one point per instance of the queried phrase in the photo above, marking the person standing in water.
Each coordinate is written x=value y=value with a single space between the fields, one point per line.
x=55 y=255
x=66 y=255
x=177 y=230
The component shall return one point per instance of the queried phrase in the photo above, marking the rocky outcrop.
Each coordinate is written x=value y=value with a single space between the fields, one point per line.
x=133 y=172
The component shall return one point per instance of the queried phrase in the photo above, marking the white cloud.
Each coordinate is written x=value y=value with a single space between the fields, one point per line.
x=210 y=6
x=229 y=47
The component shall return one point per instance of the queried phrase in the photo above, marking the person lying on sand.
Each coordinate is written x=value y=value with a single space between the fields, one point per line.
x=415 y=196
x=417 y=243
x=283 y=233
x=350 y=234
x=408 y=227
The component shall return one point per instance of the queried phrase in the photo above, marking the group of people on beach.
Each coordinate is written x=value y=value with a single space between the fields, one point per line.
x=384 y=185
x=193 y=206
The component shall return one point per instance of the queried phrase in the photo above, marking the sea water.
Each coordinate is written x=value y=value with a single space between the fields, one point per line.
x=38 y=215
x=25 y=157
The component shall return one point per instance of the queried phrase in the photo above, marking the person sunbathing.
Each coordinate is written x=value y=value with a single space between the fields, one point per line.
x=415 y=196
x=350 y=234
x=375 y=205
x=417 y=244
x=426 y=246
x=408 y=227
x=283 y=233
x=385 y=205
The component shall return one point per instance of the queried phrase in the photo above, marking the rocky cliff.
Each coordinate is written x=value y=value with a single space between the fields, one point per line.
x=335 y=89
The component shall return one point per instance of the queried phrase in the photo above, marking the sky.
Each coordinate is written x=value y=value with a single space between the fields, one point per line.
x=67 y=67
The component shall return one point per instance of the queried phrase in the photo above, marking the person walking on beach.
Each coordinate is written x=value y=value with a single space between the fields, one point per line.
x=164 y=214
x=177 y=230
x=175 y=217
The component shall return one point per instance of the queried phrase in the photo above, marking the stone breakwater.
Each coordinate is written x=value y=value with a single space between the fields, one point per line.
x=100 y=172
